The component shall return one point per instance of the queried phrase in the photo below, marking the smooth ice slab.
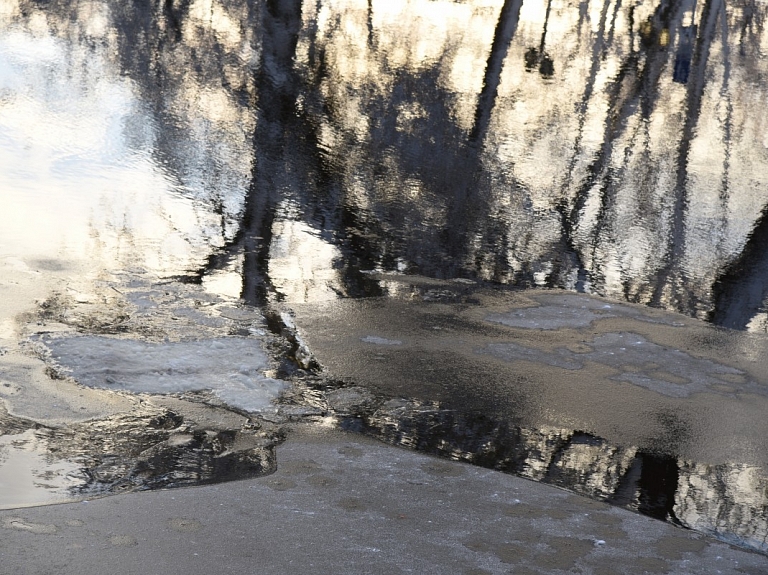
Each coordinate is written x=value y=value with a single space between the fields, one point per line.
x=231 y=367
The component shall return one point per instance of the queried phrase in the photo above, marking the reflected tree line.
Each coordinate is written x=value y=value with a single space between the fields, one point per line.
x=658 y=175
x=454 y=224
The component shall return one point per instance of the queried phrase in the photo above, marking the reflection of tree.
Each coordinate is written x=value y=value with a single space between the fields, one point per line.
x=277 y=134
x=538 y=57
x=413 y=141
x=475 y=234
x=677 y=235
x=569 y=218
x=649 y=481
x=413 y=186
x=635 y=86
x=505 y=30
x=176 y=59
x=714 y=498
x=742 y=287
x=752 y=27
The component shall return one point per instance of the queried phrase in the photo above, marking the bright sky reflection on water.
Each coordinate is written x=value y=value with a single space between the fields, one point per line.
x=75 y=139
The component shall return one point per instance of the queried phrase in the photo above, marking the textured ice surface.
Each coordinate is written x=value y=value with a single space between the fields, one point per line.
x=575 y=311
x=380 y=340
x=546 y=317
x=639 y=361
x=233 y=368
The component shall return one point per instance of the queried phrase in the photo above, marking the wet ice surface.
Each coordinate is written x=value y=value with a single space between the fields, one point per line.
x=380 y=340
x=639 y=361
x=104 y=394
x=726 y=501
x=571 y=311
x=232 y=368
x=635 y=407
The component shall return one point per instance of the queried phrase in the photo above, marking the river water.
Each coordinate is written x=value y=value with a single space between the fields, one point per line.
x=177 y=177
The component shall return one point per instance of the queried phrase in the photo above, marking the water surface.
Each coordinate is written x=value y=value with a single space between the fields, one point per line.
x=189 y=171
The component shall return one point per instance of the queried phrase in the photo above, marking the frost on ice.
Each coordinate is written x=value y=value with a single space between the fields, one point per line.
x=231 y=367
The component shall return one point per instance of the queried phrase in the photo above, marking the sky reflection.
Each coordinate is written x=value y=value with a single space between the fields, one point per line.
x=77 y=181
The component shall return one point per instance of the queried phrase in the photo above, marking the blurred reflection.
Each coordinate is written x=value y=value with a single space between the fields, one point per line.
x=148 y=448
x=121 y=147
x=286 y=150
x=537 y=57
x=409 y=133
x=684 y=54
x=429 y=154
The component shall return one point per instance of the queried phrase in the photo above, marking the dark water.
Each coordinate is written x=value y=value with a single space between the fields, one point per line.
x=288 y=152
x=149 y=448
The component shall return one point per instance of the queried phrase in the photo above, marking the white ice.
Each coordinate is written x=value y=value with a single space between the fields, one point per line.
x=231 y=367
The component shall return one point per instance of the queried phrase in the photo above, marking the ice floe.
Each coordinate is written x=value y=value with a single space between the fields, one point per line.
x=231 y=367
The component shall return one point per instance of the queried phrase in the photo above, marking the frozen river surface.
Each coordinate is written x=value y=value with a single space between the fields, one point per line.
x=531 y=235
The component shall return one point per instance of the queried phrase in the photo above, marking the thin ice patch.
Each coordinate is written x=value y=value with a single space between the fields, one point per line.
x=231 y=367
x=547 y=317
x=380 y=340
x=667 y=371
x=557 y=311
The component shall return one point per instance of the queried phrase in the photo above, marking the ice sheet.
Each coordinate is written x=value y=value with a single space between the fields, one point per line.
x=233 y=368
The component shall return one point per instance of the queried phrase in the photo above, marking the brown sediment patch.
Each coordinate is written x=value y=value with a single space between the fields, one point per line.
x=670 y=377
x=476 y=544
x=123 y=541
x=722 y=388
x=322 y=481
x=441 y=469
x=350 y=451
x=732 y=377
x=510 y=552
x=579 y=348
x=582 y=502
x=530 y=511
x=352 y=504
x=651 y=565
x=748 y=570
x=631 y=368
x=608 y=527
x=641 y=566
x=607 y=519
x=280 y=483
x=300 y=467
